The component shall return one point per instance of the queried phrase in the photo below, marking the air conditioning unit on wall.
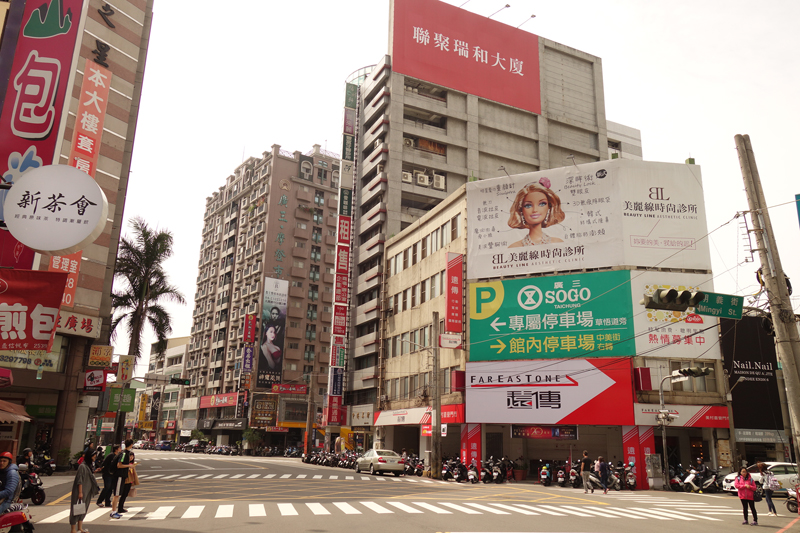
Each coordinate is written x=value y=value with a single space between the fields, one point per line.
x=408 y=142
x=439 y=182
x=422 y=180
x=380 y=169
x=407 y=177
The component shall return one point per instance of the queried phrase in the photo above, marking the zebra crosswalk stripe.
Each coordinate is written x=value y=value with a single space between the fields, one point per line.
x=204 y=476
x=568 y=511
x=515 y=509
x=346 y=508
x=664 y=513
x=132 y=511
x=486 y=508
x=302 y=476
x=161 y=513
x=224 y=511
x=317 y=508
x=172 y=476
x=237 y=476
x=315 y=477
x=193 y=511
x=287 y=509
x=540 y=510
x=596 y=512
x=459 y=508
x=286 y=476
x=616 y=513
x=372 y=506
x=433 y=508
x=645 y=513
x=97 y=513
x=187 y=477
x=220 y=476
x=404 y=507
x=253 y=476
x=257 y=509
x=270 y=476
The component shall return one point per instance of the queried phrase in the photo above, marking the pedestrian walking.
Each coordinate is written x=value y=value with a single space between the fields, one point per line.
x=586 y=471
x=108 y=469
x=770 y=484
x=84 y=488
x=121 y=484
x=747 y=487
x=603 y=469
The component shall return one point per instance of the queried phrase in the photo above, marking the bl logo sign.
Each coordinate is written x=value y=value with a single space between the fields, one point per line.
x=657 y=193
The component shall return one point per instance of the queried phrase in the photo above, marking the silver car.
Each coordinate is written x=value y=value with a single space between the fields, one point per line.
x=380 y=461
x=785 y=474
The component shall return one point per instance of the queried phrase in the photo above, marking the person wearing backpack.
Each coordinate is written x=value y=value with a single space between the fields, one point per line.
x=109 y=470
x=770 y=484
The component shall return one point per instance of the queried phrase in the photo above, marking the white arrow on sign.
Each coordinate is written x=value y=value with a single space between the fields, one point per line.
x=495 y=323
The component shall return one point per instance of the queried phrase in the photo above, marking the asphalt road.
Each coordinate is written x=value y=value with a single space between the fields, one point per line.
x=197 y=492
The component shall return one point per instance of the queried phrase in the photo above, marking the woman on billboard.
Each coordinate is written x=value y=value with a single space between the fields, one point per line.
x=536 y=207
x=270 y=350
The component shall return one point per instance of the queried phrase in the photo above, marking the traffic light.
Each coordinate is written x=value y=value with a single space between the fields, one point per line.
x=695 y=371
x=179 y=381
x=672 y=300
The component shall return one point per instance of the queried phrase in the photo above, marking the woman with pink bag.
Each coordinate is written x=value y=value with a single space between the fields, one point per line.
x=747 y=488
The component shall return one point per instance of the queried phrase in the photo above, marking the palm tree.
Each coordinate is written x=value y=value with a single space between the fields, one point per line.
x=140 y=266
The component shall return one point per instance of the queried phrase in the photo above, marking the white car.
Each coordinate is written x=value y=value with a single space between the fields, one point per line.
x=785 y=474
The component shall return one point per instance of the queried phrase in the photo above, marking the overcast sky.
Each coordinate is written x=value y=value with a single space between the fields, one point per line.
x=226 y=83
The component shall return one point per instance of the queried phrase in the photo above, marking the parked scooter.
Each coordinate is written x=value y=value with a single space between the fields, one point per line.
x=574 y=477
x=693 y=483
x=561 y=477
x=630 y=477
x=545 y=476
x=472 y=473
x=16 y=521
x=612 y=482
x=676 y=476
x=791 y=501
x=31 y=486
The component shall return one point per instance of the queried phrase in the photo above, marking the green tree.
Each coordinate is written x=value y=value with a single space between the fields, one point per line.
x=145 y=286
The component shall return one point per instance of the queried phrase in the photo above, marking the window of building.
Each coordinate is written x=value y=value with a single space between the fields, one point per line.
x=311 y=332
x=308 y=353
x=445 y=234
x=299 y=244
x=414 y=254
x=316 y=253
x=454 y=227
x=297 y=284
x=298 y=264
x=405 y=300
x=322 y=175
x=313 y=273
x=423 y=291
x=294 y=345
x=313 y=292
x=306 y=171
x=434 y=240
x=414 y=291
x=301 y=225
x=319 y=198
x=405 y=343
x=433 y=286
x=405 y=259
x=424 y=247
x=311 y=313
x=293 y=324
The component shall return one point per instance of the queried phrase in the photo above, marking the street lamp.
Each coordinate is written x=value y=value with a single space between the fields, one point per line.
x=664 y=416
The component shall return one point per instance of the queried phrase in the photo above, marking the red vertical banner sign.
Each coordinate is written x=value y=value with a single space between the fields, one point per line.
x=29 y=308
x=471 y=444
x=92 y=104
x=249 y=328
x=70 y=264
x=33 y=106
x=454 y=322
x=647 y=446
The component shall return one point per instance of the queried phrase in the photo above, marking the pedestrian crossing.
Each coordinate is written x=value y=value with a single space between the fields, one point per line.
x=164 y=477
x=388 y=507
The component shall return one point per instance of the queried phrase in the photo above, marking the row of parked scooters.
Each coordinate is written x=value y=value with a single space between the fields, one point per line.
x=681 y=480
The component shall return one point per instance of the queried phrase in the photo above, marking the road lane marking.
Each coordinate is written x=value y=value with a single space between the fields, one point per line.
x=317 y=508
x=220 y=476
x=404 y=507
x=132 y=511
x=540 y=510
x=204 y=476
x=161 y=513
x=461 y=508
x=151 y=477
x=616 y=513
x=257 y=509
x=347 y=477
x=346 y=508
x=486 y=508
x=269 y=476
x=237 y=476
x=302 y=476
x=317 y=477
x=365 y=477
x=333 y=477
x=253 y=476
x=515 y=509
x=433 y=508
x=224 y=511
x=287 y=509
x=172 y=476
x=596 y=512
x=97 y=513
x=193 y=511
x=372 y=506
x=569 y=511
x=286 y=476
x=187 y=477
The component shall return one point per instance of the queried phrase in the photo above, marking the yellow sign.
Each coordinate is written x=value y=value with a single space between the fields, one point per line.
x=126 y=366
x=143 y=408
x=100 y=356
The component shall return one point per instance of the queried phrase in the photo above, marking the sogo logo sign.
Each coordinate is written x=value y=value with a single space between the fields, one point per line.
x=530 y=297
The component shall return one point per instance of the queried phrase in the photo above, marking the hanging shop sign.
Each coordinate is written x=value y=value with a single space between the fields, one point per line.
x=29 y=309
x=544 y=432
x=94 y=380
x=100 y=356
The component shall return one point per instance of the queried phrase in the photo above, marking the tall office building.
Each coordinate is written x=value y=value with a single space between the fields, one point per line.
x=458 y=98
x=267 y=253
x=74 y=71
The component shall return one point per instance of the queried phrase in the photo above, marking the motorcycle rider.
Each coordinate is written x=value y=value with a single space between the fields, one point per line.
x=700 y=472
x=10 y=481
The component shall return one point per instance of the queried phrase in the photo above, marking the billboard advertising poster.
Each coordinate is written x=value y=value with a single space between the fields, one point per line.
x=454 y=321
x=694 y=416
x=749 y=353
x=544 y=432
x=581 y=315
x=219 y=400
x=603 y=214
x=552 y=392
x=672 y=334
x=448 y=46
x=29 y=308
x=273 y=331
x=155 y=405
x=37 y=78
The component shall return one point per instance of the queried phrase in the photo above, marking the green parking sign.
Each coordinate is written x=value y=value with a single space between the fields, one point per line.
x=552 y=317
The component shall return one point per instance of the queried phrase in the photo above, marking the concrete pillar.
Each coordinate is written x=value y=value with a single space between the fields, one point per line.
x=68 y=399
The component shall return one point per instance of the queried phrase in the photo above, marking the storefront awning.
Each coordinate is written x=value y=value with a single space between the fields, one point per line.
x=11 y=412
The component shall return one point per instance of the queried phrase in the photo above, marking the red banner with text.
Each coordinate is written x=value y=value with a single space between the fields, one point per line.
x=454 y=318
x=29 y=301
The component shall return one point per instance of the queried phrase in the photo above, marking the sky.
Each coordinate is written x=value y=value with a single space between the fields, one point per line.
x=226 y=83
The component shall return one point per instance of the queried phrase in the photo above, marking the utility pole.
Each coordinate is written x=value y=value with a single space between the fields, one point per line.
x=436 y=420
x=310 y=419
x=787 y=340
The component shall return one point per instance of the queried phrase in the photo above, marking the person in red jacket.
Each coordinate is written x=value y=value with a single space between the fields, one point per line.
x=747 y=488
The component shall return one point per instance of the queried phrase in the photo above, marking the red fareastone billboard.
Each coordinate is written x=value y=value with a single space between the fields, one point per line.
x=449 y=46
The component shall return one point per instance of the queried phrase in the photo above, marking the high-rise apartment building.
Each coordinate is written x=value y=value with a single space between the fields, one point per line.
x=458 y=98
x=273 y=219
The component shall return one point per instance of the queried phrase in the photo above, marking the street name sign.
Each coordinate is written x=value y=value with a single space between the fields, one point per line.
x=721 y=306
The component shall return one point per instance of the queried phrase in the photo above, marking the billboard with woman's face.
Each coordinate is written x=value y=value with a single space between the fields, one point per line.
x=594 y=215
x=273 y=332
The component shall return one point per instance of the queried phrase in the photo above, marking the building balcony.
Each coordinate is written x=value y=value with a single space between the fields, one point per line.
x=294 y=333
x=298 y=272
x=296 y=312
x=297 y=292
x=378 y=185
x=303 y=234
x=300 y=253
x=302 y=214
x=304 y=196
x=371 y=248
x=369 y=279
x=375 y=217
x=333 y=204
x=368 y=312
x=330 y=240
